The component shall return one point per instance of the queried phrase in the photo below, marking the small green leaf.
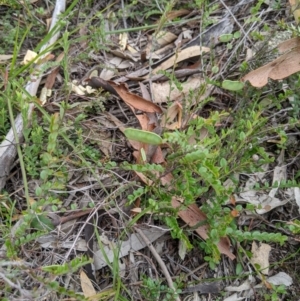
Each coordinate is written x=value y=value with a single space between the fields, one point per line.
x=46 y=158
x=242 y=136
x=42 y=222
x=237 y=34
x=38 y=191
x=143 y=136
x=232 y=85
x=238 y=269
x=223 y=162
x=224 y=38
x=229 y=46
x=44 y=174
x=215 y=69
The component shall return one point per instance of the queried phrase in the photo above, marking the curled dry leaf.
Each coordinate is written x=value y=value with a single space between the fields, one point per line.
x=121 y=90
x=135 y=100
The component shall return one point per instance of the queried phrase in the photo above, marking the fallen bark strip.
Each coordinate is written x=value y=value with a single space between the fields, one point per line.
x=8 y=147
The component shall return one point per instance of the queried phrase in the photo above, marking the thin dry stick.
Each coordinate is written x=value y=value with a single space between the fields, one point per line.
x=158 y=259
x=8 y=149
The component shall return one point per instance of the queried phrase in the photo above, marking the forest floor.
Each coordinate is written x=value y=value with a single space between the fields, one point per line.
x=149 y=150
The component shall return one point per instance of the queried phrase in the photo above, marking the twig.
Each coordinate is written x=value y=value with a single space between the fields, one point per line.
x=158 y=259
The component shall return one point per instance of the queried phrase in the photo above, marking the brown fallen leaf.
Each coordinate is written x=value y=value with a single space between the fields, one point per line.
x=152 y=117
x=288 y=44
x=192 y=216
x=157 y=157
x=135 y=100
x=177 y=13
x=51 y=78
x=144 y=122
x=143 y=178
x=122 y=91
x=282 y=67
x=161 y=39
x=126 y=54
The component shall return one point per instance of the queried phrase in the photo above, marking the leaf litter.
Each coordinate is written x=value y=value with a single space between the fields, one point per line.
x=146 y=104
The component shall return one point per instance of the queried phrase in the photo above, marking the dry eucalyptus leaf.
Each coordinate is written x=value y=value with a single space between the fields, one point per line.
x=281 y=278
x=284 y=66
x=288 y=44
x=165 y=37
x=165 y=92
x=177 y=13
x=260 y=256
x=182 y=55
x=193 y=216
x=86 y=285
x=5 y=57
x=268 y=203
